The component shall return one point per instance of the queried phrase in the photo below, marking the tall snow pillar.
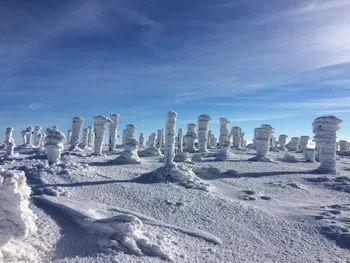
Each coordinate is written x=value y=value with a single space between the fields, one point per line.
x=169 y=149
x=203 y=122
x=113 y=127
x=77 y=123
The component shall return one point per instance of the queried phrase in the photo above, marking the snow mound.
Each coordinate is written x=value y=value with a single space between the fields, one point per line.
x=289 y=158
x=198 y=157
x=179 y=174
x=182 y=157
x=339 y=183
x=17 y=221
x=207 y=173
x=149 y=152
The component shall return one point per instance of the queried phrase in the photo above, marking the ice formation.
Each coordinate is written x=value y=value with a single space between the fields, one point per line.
x=160 y=134
x=152 y=150
x=169 y=147
x=181 y=156
x=29 y=135
x=224 y=152
x=17 y=221
x=262 y=142
x=113 y=131
x=141 y=139
x=124 y=136
x=84 y=139
x=77 y=123
x=8 y=134
x=325 y=129
x=295 y=143
x=69 y=135
x=180 y=141
x=152 y=140
x=203 y=122
x=190 y=137
x=343 y=146
x=303 y=142
x=53 y=145
x=91 y=136
x=214 y=141
x=282 y=140
x=309 y=155
x=236 y=134
x=223 y=139
x=130 y=154
x=171 y=171
x=210 y=140
x=100 y=123
x=37 y=131
x=24 y=137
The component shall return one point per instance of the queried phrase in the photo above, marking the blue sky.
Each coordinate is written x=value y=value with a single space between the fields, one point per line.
x=278 y=62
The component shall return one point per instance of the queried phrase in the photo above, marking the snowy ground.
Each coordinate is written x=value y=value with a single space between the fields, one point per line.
x=90 y=210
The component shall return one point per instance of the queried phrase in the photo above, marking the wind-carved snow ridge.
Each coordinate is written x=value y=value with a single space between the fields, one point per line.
x=325 y=129
x=17 y=221
x=171 y=172
x=120 y=232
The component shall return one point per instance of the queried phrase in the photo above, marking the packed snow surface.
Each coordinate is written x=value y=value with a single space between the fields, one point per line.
x=87 y=208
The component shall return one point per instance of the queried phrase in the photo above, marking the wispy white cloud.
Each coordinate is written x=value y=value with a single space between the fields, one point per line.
x=36 y=105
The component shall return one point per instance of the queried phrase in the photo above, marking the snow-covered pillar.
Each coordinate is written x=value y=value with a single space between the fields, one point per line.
x=152 y=140
x=223 y=138
x=169 y=147
x=24 y=137
x=325 y=129
x=273 y=142
x=124 y=137
x=236 y=133
x=10 y=146
x=309 y=155
x=84 y=139
x=55 y=128
x=141 y=139
x=159 y=138
x=190 y=137
x=40 y=139
x=242 y=140
x=214 y=141
x=91 y=136
x=180 y=141
x=8 y=135
x=113 y=127
x=162 y=138
x=77 y=123
x=29 y=134
x=100 y=129
x=282 y=140
x=203 y=122
x=304 y=140
x=130 y=132
x=210 y=137
x=37 y=131
x=69 y=135
x=262 y=140
x=343 y=146
x=295 y=143
x=53 y=145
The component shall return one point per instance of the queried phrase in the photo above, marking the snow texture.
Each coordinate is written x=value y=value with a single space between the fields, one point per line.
x=17 y=221
x=325 y=129
x=113 y=131
x=77 y=123
x=203 y=122
x=100 y=128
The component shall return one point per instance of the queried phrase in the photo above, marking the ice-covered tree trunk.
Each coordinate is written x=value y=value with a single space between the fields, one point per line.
x=53 y=145
x=113 y=131
x=295 y=143
x=236 y=133
x=141 y=139
x=24 y=137
x=69 y=136
x=203 y=122
x=343 y=146
x=325 y=129
x=8 y=134
x=210 y=137
x=37 y=131
x=223 y=138
x=91 y=136
x=180 y=141
x=309 y=155
x=303 y=142
x=100 y=130
x=29 y=134
x=262 y=142
x=282 y=141
x=169 y=149
x=159 y=138
x=77 y=123
x=84 y=139
x=190 y=137
x=152 y=140
x=130 y=132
